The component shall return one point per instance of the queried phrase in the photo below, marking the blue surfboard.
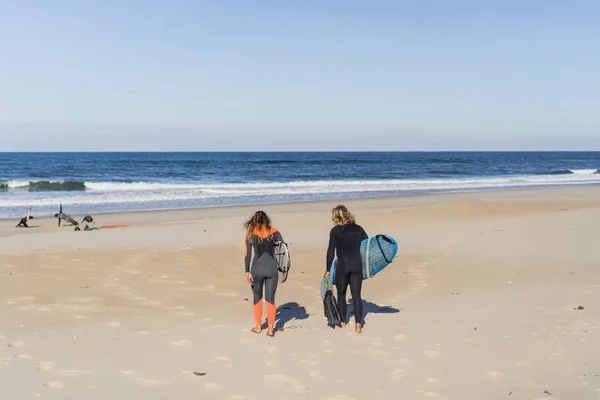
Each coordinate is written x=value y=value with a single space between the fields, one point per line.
x=381 y=250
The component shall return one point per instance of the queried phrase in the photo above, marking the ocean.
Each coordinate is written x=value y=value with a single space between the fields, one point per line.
x=88 y=183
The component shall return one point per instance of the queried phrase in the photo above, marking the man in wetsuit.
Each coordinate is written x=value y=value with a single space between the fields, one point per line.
x=60 y=215
x=344 y=239
x=25 y=220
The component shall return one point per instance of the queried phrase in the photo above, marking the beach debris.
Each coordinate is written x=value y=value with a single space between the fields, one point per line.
x=245 y=299
x=455 y=293
x=510 y=393
x=547 y=392
x=579 y=308
x=199 y=373
x=475 y=328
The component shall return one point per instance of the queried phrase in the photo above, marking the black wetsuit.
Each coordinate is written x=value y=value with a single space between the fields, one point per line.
x=24 y=221
x=345 y=241
x=264 y=267
x=66 y=217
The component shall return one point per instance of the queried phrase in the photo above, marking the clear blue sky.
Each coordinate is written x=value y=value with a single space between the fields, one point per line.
x=299 y=75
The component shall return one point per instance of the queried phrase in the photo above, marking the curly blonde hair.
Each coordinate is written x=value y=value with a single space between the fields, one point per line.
x=259 y=225
x=341 y=216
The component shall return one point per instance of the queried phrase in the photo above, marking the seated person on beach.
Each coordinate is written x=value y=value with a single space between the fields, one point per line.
x=88 y=218
x=24 y=221
x=60 y=215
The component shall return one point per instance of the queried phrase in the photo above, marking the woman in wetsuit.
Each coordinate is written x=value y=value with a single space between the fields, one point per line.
x=344 y=239
x=260 y=236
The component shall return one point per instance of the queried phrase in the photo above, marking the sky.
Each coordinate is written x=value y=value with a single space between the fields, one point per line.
x=221 y=75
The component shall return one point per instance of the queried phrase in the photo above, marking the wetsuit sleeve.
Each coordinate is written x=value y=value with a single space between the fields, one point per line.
x=331 y=249
x=247 y=254
x=278 y=237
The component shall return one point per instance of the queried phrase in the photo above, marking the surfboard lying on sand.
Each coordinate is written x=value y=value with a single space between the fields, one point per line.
x=113 y=226
x=377 y=252
x=282 y=257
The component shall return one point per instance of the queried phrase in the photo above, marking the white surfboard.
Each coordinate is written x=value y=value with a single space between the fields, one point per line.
x=282 y=257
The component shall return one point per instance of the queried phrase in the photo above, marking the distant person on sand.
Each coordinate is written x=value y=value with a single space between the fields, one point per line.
x=260 y=236
x=24 y=222
x=60 y=215
x=344 y=239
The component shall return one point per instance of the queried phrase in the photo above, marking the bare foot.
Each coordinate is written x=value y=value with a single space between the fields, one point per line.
x=270 y=331
x=358 y=328
x=341 y=325
x=257 y=329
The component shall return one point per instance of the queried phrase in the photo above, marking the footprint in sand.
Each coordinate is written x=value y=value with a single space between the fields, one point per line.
x=75 y=372
x=495 y=375
x=151 y=382
x=143 y=333
x=181 y=343
x=188 y=314
x=315 y=374
x=404 y=361
x=23 y=356
x=432 y=380
x=45 y=365
x=16 y=344
x=271 y=349
x=283 y=379
x=524 y=363
x=212 y=385
x=54 y=385
x=127 y=373
x=112 y=324
x=397 y=374
x=433 y=354
x=400 y=337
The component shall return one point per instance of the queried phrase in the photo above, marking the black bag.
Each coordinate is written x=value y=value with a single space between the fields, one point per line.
x=330 y=306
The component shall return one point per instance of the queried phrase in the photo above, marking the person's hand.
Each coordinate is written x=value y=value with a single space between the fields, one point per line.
x=249 y=278
x=326 y=276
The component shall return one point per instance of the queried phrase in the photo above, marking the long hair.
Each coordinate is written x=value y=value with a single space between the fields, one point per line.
x=341 y=216
x=259 y=225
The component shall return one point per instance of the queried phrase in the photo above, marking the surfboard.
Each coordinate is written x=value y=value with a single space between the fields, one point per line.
x=377 y=252
x=282 y=257
x=114 y=226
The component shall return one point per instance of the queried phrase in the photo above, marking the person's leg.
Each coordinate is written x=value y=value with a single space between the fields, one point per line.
x=257 y=290
x=270 y=289
x=355 y=290
x=341 y=284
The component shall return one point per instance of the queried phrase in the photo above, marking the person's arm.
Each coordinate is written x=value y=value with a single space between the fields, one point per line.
x=363 y=234
x=247 y=254
x=277 y=237
x=331 y=249
x=28 y=213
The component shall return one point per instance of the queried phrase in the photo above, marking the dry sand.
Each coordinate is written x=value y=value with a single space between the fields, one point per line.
x=481 y=303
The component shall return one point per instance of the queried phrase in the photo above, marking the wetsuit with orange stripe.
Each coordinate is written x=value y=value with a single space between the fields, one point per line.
x=263 y=268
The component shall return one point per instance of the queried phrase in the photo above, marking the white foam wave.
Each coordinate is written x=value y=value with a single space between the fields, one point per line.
x=16 y=184
x=214 y=192
x=584 y=171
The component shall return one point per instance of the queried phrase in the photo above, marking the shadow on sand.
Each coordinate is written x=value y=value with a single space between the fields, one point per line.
x=286 y=313
x=369 y=308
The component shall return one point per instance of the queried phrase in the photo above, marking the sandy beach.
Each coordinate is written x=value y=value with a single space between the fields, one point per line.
x=493 y=295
